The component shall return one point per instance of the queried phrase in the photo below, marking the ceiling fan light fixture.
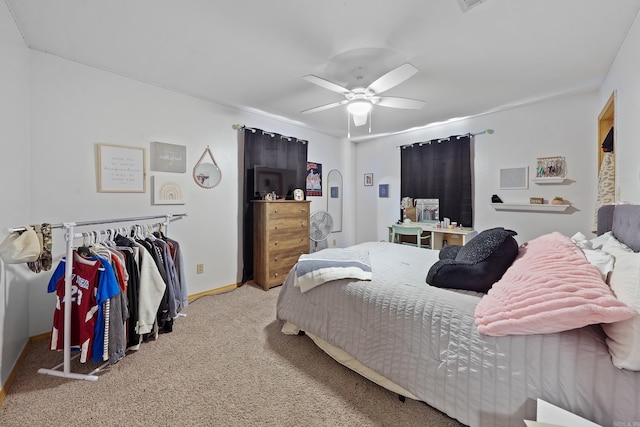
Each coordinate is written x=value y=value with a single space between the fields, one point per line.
x=359 y=107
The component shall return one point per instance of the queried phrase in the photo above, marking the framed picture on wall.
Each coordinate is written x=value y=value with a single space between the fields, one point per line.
x=121 y=169
x=168 y=189
x=314 y=179
x=368 y=179
x=168 y=157
x=383 y=190
x=514 y=178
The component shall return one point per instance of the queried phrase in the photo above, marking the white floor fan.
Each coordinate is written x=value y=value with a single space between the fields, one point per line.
x=321 y=225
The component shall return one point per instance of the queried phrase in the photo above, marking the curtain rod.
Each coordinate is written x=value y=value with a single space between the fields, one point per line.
x=487 y=131
x=169 y=217
x=238 y=126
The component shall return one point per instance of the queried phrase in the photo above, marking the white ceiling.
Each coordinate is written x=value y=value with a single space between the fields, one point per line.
x=252 y=54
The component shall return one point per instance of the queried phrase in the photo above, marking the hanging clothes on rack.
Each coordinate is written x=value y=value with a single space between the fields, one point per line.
x=93 y=283
x=98 y=287
x=172 y=300
x=176 y=256
x=116 y=309
x=151 y=288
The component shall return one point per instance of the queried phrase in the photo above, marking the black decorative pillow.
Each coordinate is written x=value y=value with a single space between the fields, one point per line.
x=449 y=252
x=483 y=245
x=478 y=264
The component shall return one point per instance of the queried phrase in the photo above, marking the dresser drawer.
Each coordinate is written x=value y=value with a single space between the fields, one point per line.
x=282 y=225
x=293 y=242
x=287 y=212
x=279 y=266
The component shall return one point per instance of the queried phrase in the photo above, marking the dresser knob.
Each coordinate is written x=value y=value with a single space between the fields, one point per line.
x=276 y=227
x=276 y=211
x=276 y=243
x=276 y=259
x=276 y=275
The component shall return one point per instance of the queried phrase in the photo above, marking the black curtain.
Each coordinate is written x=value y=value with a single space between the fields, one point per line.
x=440 y=169
x=271 y=150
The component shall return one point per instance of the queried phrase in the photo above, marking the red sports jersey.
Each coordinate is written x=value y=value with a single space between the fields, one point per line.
x=84 y=283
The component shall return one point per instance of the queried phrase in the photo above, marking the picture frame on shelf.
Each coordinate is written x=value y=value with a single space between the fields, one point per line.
x=551 y=167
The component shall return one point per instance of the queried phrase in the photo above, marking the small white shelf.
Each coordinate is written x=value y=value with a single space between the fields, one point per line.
x=545 y=207
x=545 y=181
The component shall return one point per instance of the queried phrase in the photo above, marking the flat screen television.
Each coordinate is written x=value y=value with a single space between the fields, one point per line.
x=266 y=180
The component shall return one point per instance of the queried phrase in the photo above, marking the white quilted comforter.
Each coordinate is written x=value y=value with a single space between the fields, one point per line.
x=425 y=340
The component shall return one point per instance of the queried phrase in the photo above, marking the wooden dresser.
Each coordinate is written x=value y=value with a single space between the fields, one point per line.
x=280 y=236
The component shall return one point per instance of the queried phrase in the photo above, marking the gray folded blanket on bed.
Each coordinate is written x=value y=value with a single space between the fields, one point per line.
x=331 y=264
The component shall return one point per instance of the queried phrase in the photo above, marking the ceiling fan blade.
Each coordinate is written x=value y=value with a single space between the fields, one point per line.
x=360 y=119
x=395 y=102
x=326 y=84
x=393 y=78
x=324 y=107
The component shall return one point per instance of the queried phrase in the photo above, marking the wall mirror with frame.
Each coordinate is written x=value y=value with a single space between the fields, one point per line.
x=334 y=198
x=206 y=172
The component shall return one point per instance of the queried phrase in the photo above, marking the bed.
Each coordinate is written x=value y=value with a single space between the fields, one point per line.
x=423 y=342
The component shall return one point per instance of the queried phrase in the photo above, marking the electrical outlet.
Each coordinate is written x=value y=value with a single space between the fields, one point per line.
x=199 y=268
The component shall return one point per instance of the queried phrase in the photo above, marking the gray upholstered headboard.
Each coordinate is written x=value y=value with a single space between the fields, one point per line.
x=623 y=221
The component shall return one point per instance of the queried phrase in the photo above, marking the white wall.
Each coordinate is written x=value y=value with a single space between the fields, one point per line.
x=75 y=107
x=624 y=79
x=14 y=179
x=561 y=127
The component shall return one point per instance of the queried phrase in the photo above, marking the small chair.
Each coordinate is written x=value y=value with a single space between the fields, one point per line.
x=408 y=230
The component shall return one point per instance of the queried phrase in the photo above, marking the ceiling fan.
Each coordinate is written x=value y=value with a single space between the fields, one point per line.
x=360 y=100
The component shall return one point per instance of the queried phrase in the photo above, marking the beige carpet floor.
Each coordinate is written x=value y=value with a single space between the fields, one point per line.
x=225 y=364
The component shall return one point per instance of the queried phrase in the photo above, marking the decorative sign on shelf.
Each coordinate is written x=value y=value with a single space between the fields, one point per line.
x=121 y=169
x=551 y=167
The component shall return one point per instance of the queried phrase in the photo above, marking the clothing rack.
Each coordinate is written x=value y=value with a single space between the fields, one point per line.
x=69 y=237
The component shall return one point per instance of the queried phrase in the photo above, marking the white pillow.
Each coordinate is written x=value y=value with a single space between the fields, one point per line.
x=601 y=260
x=581 y=241
x=598 y=242
x=623 y=338
x=613 y=244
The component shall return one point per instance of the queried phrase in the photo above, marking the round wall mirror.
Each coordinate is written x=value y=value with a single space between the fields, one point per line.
x=206 y=173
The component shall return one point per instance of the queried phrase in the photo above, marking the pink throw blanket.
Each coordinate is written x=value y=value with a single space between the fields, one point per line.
x=550 y=287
